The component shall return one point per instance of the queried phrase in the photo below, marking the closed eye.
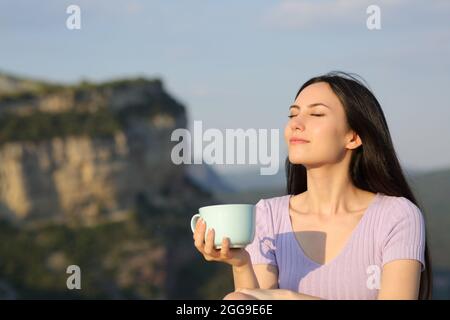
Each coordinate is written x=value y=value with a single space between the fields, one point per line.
x=315 y=115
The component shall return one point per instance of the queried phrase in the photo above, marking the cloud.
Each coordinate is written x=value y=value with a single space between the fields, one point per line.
x=291 y=14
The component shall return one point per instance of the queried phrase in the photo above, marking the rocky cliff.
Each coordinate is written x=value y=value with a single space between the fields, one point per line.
x=88 y=152
x=86 y=178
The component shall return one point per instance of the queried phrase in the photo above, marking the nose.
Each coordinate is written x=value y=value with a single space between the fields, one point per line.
x=297 y=123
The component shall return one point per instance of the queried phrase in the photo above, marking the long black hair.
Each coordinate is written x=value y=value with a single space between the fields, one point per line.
x=374 y=166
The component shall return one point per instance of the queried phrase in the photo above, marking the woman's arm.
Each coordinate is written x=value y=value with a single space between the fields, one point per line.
x=244 y=277
x=258 y=276
x=400 y=279
x=277 y=294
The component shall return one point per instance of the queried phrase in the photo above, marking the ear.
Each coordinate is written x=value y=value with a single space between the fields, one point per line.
x=354 y=140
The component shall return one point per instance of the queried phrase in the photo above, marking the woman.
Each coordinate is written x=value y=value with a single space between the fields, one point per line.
x=350 y=227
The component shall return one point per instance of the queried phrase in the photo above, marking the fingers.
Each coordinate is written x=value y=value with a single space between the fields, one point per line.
x=209 y=243
x=199 y=235
x=206 y=246
x=225 y=251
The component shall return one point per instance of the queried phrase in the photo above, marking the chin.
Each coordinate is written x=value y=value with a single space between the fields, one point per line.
x=297 y=160
x=307 y=163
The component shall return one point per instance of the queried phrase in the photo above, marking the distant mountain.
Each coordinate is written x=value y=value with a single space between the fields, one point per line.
x=433 y=193
x=251 y=180
x=207 y=178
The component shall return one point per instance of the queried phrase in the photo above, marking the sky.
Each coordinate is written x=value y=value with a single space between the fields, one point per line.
x=239 y=64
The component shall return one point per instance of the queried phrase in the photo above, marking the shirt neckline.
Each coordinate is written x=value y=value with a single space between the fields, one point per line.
x=348 y=242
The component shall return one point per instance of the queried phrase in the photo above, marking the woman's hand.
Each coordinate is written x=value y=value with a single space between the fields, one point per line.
x=235 y=257
x=269 y=294
x=276 y=294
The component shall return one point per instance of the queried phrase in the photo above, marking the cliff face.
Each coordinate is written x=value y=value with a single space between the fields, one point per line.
x=90 y=173
x=87 y=179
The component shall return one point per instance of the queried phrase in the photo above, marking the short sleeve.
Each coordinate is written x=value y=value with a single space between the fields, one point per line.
x=406 y=236
x=262 y=249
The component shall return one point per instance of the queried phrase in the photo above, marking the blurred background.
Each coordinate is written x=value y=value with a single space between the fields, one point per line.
x=86 y=116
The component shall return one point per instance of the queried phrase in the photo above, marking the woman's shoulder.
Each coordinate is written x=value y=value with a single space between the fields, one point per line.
x=397 y=208
x=273 y=202
x=272 y=206
x=402 y=231
x=269 y=212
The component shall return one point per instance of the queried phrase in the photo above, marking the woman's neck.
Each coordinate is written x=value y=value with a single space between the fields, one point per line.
x=330 y=191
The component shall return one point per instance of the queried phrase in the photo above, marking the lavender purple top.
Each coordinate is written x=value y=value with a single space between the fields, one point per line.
x=391 y=228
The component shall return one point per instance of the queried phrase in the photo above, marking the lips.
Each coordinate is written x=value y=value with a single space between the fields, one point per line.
x=298 y=141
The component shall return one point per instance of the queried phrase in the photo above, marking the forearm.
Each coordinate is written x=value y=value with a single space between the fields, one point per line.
x=244 y=277
x=280 y=294
x=277 y=294
x=301 y=296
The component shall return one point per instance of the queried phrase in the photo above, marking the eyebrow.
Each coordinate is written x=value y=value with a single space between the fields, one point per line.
x=310 y=106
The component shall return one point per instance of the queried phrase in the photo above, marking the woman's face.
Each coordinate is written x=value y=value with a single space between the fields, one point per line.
x=318 y=116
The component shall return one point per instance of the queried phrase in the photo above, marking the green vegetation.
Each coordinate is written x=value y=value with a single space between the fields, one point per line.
x=35 y=89
x=115 y=84
x=42 y=126
x=117 y=259
x=26 y=254
x=104 y=122
x=23 y=88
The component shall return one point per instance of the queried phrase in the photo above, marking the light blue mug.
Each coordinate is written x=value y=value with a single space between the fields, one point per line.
x=234 y=221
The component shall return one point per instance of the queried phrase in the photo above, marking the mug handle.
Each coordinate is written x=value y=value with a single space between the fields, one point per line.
x=194 y=219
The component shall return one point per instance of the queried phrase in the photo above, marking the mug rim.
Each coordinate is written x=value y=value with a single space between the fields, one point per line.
x=227 y=204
